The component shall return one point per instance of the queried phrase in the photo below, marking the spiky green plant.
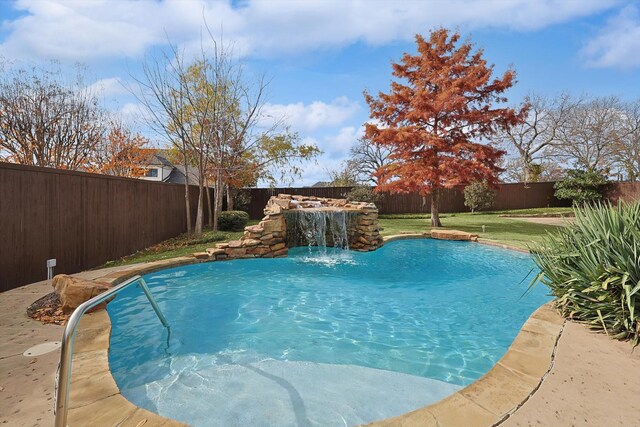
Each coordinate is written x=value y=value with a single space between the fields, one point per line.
x=593 y=268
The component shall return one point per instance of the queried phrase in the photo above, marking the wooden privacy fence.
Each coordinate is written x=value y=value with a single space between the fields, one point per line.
x=623 y=191
x=84 y=220
x=508 y=196
x=81 y=219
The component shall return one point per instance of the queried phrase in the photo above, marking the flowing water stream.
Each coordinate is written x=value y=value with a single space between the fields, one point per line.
x=319 y=227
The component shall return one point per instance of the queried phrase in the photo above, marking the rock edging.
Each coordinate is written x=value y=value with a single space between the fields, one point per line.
x=501 y=391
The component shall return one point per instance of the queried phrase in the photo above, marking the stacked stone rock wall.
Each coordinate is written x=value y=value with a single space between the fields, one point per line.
x=264 y=240
x=268 y=238
x=366 y=233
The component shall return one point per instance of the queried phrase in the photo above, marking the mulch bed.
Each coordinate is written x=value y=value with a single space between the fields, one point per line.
x=48 y=310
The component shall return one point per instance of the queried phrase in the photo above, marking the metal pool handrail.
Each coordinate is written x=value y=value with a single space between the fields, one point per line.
x=66 y=350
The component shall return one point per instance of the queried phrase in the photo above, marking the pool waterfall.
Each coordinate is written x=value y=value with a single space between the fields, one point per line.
x=319 y=227
x=291 y=221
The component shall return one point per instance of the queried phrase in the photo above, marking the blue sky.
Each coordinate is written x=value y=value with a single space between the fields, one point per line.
x=321 y=55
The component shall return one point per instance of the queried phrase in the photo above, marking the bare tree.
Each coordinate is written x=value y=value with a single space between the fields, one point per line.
x=539 y=131
x=46 y=121
x=214 y=118
x=544 y=169
x=346 y=175
x=627 y=147
x=242 y=147
x=589 y=136
x=366 y=158
x=183 y=100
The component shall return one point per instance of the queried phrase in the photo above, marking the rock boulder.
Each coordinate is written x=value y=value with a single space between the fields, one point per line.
x=453 y=235
x=74 y=291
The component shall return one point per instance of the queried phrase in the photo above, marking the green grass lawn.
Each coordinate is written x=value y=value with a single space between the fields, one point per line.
x=178 y=246
x=503 y=230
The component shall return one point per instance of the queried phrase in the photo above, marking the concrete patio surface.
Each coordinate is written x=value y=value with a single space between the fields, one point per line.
x=27 y=383
x=557 y=221
x=593 y=381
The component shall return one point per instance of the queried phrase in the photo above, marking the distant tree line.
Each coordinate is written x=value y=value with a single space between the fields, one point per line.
x=445 y=122
x=202 y=107
x=595 y=134
x=47 y=120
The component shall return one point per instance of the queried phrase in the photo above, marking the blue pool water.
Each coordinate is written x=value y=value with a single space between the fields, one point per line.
x=290 y=341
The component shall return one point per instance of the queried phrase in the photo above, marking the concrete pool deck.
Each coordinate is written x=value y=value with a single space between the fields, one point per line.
x=557 y=221
x=593 y=380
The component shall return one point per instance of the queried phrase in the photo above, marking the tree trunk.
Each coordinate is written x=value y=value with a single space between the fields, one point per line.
x=218 y=205
x=218 y=190
x=527 y=169
x=188 y=207
x=200 y=213
x=435 y=206
x=229 y=197
x=186 y=196
x=210 y=210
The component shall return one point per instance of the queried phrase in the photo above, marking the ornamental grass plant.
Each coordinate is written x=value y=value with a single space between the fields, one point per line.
x=592 y=266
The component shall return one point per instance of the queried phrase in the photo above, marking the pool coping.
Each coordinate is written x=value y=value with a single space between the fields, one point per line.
x=96 y=398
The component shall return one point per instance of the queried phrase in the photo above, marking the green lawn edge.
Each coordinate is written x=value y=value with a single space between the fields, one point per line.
x=509 y=231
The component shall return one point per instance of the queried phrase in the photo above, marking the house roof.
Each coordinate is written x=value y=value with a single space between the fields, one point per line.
x=157 y=157
x=177 y=175
x=160 y=157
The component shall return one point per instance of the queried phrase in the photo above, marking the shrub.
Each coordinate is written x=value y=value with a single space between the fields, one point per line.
x=593 y=268
x=232 y=220
x=581 y=186
x=478 y=195
x=362 y=193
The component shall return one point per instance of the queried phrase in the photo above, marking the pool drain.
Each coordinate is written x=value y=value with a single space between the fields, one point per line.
x=44 y=348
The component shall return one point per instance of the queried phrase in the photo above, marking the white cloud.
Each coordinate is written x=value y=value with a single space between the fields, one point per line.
x=135 y=115
x=308 y=118
x=618 y=44
x=83 y=30
x=285 y=26
x=335 y=150
x=78 y=30
x=108 y=87
x=318 y=171
x=338 y=146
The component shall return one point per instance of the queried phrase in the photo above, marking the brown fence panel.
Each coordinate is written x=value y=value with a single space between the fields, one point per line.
x=508 y=196
x=84 y=220
x=451 y=200
x=524 y=196
x=81 y=219
x=627 y=191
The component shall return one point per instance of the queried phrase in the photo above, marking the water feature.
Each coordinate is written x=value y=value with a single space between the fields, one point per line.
x=319 y=227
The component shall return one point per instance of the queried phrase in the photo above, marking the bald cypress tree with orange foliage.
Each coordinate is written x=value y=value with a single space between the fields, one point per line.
x=435 y=117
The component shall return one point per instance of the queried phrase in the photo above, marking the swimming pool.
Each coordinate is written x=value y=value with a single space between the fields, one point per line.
x=323 y=337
